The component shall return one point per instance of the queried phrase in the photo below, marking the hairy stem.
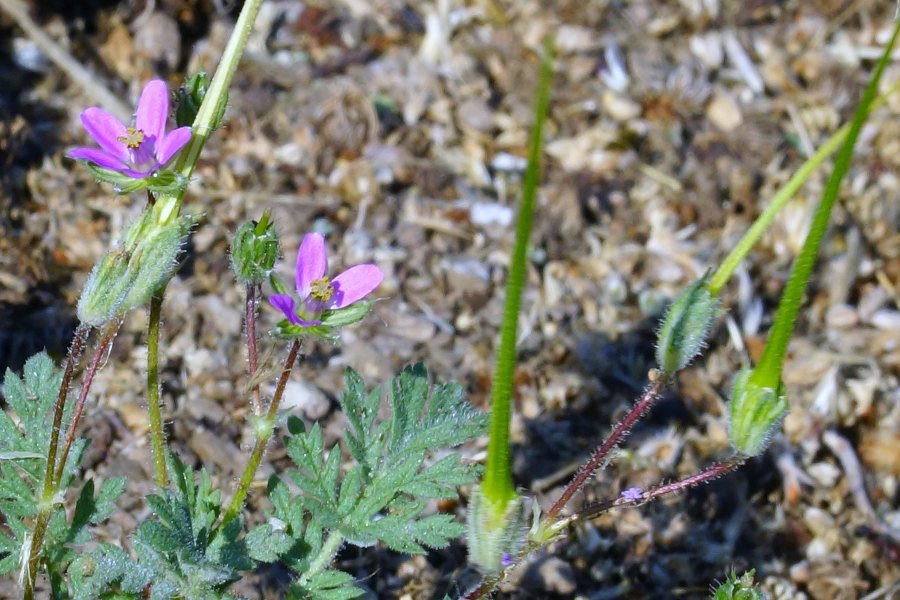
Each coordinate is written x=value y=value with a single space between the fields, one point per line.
x=55 y=473
x=497 y=484
x=326 y=554
x=74 y=355
x=96 y=361
x=768 y=371
x=154 y=409
x=619 y=432
x=252 y=354
x=781 y=198
x=484 y=588
x=263 y=433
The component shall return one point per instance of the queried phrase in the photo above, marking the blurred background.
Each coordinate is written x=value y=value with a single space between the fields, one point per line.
x=398 y=129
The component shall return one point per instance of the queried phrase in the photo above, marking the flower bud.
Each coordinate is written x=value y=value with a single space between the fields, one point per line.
x=756 y=413
x=739 y=588
x=127 y=276
x=254 y=250
x=190 y=96
x=494 y=533
x=155 y=260
x=685 y=327
x=105 y=289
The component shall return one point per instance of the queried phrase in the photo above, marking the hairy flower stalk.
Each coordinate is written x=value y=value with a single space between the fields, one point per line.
x=54 y=473
x=264 y=429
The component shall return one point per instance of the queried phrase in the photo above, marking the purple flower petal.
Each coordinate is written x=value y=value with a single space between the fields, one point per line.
x=153 y=110
x=354 y=284
x=312 y=261
x=632 y=494
x=172 y=143
x=105 y=129
x=286 y=304
x=98 y=157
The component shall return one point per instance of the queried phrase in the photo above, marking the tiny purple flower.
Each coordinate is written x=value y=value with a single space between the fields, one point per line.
x=316 y=291
x=505 y=559
x=632 y=494
x=135 y=151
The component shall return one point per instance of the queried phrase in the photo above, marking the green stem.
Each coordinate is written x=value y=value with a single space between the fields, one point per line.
x=264 y=430
x=784 y=195
x=157 y=437
x=40 y=524
x=768 y=372
x=498 y=485
x=326 y=554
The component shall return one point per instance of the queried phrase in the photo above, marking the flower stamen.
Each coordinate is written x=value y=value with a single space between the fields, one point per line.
x=321 y=290
x=132 y=138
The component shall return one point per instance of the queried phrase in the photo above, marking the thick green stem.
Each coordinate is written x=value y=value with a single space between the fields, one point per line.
x=264 y=430
x=768 y=372
x=498 y=485
x=157 y=436
x=784 y=195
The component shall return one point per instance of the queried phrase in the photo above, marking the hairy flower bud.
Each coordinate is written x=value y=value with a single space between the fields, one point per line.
x=494 y=533
x=254 y=250
x=685 y=327
x=756 y=412
x=190 y=96
x=127 y=276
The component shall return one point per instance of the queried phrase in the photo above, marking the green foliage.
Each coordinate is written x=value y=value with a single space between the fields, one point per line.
x=25 y=429
x=184 y=552
x=738 y=588
x=383 y=496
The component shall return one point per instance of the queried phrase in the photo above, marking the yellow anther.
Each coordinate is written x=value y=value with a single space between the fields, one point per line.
x=321 y=290
x=132 y=138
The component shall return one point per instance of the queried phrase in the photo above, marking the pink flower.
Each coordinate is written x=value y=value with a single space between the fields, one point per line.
x=134 y=151
x=316 y=291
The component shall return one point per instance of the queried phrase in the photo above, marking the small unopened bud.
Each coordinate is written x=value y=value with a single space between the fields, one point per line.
x=495 y=534
x=190 y=96
x=739 y=588
x=254 y=250
x=756 y=413
x=685 y=327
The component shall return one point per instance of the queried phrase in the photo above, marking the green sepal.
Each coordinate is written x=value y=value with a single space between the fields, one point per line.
x=756 y=413
x=493 y=531
x=190 y=96
x=254 y=250
x=158 y=182
x=685 y=327
x=127 y=276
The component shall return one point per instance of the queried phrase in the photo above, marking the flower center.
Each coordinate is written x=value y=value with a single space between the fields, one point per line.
x=132 y=138
x=321 y=290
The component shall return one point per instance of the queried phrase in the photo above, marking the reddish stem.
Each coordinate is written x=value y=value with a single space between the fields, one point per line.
x=252 y=353
x=99 y=355
x=619 y=433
